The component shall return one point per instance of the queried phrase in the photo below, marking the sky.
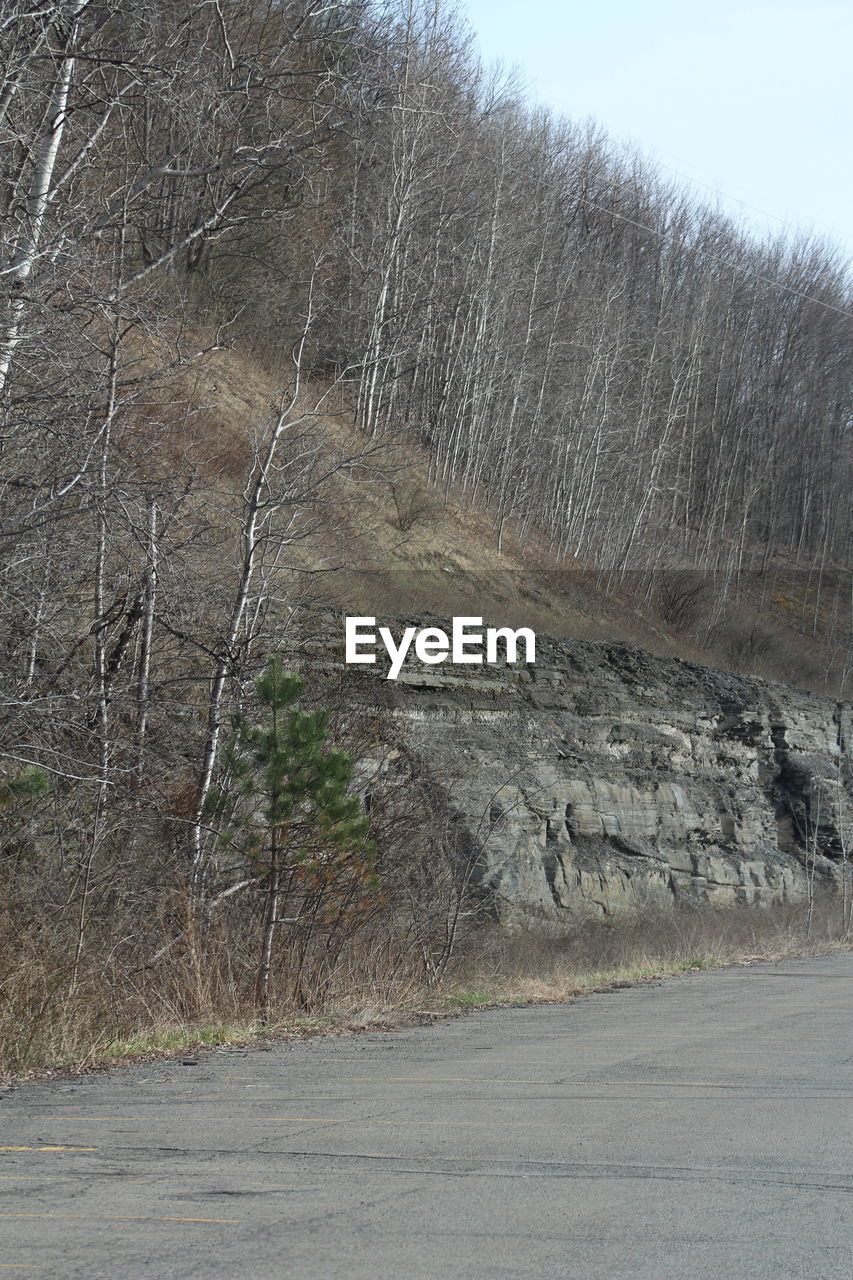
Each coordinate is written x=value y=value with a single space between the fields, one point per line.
x=751 y=100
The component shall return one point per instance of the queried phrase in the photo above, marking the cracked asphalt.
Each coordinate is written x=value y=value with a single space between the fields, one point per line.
x=695 y=1129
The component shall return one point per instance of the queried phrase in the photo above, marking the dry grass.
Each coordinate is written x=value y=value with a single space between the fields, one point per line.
x=446 y=562
x=523 y=967
x=116 y=1015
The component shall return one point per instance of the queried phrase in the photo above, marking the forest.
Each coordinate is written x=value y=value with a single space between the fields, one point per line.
x=408 y=261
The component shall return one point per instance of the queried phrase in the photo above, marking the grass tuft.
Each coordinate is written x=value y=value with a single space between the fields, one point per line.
x=471 y=998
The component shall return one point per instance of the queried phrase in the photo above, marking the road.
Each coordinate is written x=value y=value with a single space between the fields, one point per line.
x=696 y=1129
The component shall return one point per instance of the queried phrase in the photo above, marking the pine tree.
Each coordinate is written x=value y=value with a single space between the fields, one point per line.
x=290 y=808
x=31 y=782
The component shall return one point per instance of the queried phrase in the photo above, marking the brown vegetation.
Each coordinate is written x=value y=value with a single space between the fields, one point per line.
x=121 y=1010
x=299 y=302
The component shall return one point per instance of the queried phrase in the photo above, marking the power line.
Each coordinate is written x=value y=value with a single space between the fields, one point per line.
x=784 y=222
x=708 y=253
x=717 y=257
x=727 y=262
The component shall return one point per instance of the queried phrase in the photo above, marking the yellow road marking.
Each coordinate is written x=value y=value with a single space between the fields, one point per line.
x=44 y=1177
x=49 y=1148
x=255 y=1100
x=116 y=1217
x=221 y=1119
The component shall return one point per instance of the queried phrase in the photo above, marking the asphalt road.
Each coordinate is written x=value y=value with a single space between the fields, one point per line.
x=698 y=1129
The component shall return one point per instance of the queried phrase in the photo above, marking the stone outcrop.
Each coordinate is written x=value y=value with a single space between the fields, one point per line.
x=603 y=779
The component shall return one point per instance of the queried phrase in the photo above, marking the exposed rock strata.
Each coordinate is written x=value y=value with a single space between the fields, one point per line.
x=604 y=779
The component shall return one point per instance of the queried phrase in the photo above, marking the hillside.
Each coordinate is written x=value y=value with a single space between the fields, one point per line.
x=433 y=550
x=306 y=312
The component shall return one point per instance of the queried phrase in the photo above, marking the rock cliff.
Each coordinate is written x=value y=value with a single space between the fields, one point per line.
x=603 y=779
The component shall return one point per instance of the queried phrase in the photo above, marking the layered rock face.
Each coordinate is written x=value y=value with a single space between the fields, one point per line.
x=603 y=780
